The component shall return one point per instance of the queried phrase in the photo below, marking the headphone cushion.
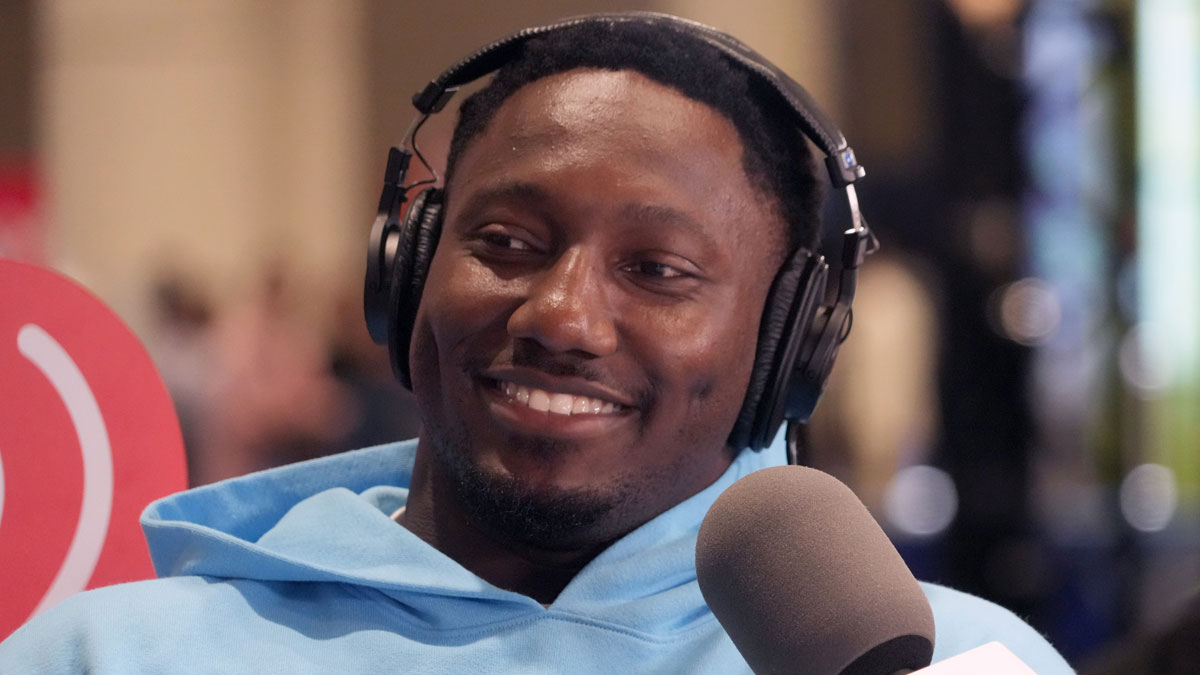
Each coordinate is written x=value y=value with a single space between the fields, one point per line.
x=419 y=236
x=786 y=290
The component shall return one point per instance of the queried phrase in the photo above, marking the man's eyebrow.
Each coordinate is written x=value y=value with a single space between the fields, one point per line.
x=531 y=194
x=660 y=214
x=506 y=191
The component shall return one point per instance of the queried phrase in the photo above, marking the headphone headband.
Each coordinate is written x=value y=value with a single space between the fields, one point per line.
x=807 y=115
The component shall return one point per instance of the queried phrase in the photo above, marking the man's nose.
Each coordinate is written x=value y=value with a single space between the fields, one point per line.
x=566 y=308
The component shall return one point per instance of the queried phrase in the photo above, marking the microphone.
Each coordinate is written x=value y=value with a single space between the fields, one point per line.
x=803 y=579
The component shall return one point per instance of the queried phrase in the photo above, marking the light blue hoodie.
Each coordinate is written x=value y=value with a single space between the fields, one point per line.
x=301 y=569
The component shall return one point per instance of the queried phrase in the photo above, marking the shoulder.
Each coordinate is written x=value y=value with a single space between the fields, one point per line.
x=123 y=628
x=964 y=621
x=66 y=637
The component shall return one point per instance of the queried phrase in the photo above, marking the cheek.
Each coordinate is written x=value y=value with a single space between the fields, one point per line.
x=700 y=401
x=459 y=301
x=724 y=374
x=724 y=388
x=461 y=298
x=710 y=357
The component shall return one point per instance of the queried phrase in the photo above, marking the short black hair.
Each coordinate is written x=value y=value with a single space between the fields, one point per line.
x=776 y=157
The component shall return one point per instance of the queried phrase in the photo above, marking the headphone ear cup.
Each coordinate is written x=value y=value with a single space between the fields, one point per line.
x=419 y=238
x=787 y=316
x=377 y=289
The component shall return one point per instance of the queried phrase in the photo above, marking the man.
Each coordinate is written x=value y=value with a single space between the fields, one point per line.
x=616 y=208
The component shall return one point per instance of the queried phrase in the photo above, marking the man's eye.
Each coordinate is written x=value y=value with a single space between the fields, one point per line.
x=503 y=240
x=657 y=270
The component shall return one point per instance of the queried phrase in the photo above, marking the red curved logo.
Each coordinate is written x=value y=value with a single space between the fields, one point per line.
x=88 y=437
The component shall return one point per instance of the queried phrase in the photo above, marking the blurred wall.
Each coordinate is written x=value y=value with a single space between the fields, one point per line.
x=801 y=37
x=203 y=139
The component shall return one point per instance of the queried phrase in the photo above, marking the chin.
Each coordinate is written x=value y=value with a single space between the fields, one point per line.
x=539 y=514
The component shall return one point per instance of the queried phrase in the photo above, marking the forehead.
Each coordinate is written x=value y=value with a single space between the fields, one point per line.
x=624 y=130
x=613 y=102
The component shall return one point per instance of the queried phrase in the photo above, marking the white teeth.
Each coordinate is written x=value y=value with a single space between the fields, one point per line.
x=555 y=403
x=562 y=403
x=539 y=400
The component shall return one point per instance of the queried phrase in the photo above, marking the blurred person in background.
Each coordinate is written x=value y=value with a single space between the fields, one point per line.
x=269 y=396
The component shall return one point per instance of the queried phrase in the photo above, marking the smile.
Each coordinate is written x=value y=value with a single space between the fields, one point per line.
x=557 y=403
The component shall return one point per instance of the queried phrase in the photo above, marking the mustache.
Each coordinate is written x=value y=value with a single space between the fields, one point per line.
x=533 y=355
x=529 y=354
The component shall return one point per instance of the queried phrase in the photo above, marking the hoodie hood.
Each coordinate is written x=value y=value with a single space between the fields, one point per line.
x=328 y=520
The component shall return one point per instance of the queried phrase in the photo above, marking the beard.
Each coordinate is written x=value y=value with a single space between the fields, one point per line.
x=510 y=509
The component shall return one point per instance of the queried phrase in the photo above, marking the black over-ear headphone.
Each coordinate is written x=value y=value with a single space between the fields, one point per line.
x=798 y=337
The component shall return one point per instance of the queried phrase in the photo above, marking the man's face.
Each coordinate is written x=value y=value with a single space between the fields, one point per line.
x=588 y=328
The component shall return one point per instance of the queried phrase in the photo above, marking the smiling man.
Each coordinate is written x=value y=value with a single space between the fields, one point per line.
x=585 y=340
x=618 y=203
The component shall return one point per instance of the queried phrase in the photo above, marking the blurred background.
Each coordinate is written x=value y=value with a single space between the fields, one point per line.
x=1019 y=402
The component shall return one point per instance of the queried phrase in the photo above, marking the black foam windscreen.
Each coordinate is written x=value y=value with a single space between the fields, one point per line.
x=803 y=579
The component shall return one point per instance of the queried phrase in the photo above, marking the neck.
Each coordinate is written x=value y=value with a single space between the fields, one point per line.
x=433 y=514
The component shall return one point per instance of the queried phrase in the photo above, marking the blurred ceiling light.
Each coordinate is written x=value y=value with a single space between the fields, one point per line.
x=921 y=501
x=1027 y=311
x=1148 y=497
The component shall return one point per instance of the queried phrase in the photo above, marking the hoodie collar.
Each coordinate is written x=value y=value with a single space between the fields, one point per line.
x=327 y=520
